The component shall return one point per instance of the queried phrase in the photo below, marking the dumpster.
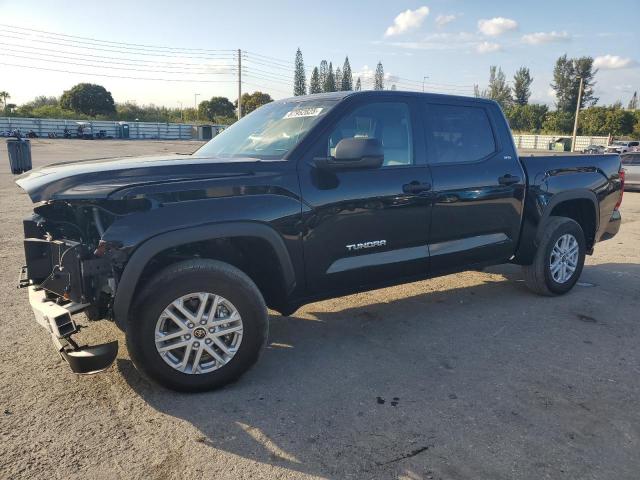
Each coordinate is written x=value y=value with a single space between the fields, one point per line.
x=19 y=150
x=562 y=144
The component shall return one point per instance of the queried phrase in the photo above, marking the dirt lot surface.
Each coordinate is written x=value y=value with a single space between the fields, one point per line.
x=468 y=376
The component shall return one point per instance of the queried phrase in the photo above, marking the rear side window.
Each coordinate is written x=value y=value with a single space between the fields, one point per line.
x=457 y=134
x=631 y=159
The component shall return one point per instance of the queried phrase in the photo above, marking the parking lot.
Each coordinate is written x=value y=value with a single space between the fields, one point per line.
x=468 y=376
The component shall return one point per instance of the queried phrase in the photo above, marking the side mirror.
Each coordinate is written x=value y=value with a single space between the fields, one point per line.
x=354 y=153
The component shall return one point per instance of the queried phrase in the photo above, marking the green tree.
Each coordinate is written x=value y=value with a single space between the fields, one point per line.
x=358 y=85
x=324 y=72
x=498 y=89
x=330 y=82
x=636 y=125
x=522 y=81
x=252 y=101
x=217 y=107
x=314 y=83
x=4 y=95
x=299 y=77
x=338 y=79
x=526 y=118
x=88 y=98
x=43 y=100
x=347 y=76
x=633 y=103
x=566 y=82
x=378 y=79
x=558 y=122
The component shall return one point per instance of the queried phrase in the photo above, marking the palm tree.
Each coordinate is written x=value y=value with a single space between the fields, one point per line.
x=4 y=95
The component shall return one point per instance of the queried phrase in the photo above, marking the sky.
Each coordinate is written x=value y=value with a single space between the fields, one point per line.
x=194 y=44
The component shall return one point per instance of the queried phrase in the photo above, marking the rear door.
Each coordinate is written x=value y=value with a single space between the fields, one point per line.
x=478 y=183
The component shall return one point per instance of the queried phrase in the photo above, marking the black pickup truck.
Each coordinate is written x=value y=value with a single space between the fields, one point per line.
x=304 y=199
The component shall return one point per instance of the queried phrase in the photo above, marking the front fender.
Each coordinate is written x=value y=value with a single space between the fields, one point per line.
x=150 y=248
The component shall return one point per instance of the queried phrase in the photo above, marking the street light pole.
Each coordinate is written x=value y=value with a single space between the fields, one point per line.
x=423 y=79
x=195 y=105
x=575 y=122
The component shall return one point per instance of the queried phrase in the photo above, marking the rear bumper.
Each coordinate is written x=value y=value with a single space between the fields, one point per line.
x=613 y=226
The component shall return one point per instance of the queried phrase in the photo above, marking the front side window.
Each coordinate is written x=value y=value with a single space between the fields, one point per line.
x=388 y=122
x=456 y=133
x=268 y=133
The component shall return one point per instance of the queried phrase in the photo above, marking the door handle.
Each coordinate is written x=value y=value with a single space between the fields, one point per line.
x=508 y=179
x=416 y=187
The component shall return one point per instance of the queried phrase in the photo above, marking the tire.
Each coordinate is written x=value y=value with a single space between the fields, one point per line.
x=539 y=276
x=155 y=311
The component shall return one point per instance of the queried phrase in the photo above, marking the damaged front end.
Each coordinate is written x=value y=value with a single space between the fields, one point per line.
x=70 y=269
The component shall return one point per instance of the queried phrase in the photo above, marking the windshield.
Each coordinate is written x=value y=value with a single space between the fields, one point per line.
x=269 y=132
x=620 y=144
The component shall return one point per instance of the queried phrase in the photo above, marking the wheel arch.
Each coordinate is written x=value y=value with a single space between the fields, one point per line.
x=142 y=256
x=579 y=205
x=567 y=203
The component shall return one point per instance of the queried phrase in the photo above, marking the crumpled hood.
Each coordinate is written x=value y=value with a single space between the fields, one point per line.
x=97 y=179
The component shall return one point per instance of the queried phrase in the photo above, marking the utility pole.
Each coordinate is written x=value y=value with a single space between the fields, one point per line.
x=423 y=79
x=239 y=84
x=575 y=123
x=195 y=105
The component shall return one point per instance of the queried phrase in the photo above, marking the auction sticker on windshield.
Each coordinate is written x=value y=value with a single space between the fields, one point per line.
x=304 y=112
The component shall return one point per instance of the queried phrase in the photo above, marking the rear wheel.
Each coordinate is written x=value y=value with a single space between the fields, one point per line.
x=559 y=259
x=198 y=325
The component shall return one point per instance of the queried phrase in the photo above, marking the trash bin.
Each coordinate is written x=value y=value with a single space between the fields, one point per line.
x=19 y=150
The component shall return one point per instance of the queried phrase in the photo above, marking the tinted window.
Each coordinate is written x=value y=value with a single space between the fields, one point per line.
x=269 y=132
x=388 y=122
x=458 y=134
x=631 y=159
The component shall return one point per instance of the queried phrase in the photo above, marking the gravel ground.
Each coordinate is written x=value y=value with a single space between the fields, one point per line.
x=467 y=376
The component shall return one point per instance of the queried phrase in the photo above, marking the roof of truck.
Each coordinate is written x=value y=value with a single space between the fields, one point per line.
x=382 y=93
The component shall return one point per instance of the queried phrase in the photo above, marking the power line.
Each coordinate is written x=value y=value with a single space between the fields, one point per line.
x=112 y=42
x=158 y=54
x=117 y=76
x=135 y=61
x=92 y=65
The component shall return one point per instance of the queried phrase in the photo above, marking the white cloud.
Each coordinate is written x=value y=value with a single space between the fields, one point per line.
x=545 y=37
x=442 y=20
x=488 y=47
x=613 y=62
x=407 y=21
x=496 y=26
x=440 y=41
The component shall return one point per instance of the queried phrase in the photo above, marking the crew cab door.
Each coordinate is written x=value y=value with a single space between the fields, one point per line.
x=366 y=226
x=478 y=184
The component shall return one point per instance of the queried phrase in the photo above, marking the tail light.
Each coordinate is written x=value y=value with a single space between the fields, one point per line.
x=621 y=174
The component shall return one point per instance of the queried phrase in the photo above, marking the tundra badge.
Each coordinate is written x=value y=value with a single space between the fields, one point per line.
x=372 y=244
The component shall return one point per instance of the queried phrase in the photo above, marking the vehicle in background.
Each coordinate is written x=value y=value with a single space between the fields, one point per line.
x=622 y=146
x=306 y=198
x=631 y=165
x=597 y=149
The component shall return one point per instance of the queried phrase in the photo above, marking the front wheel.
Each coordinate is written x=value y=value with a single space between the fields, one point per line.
x=559 y=259
x=197 y=325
